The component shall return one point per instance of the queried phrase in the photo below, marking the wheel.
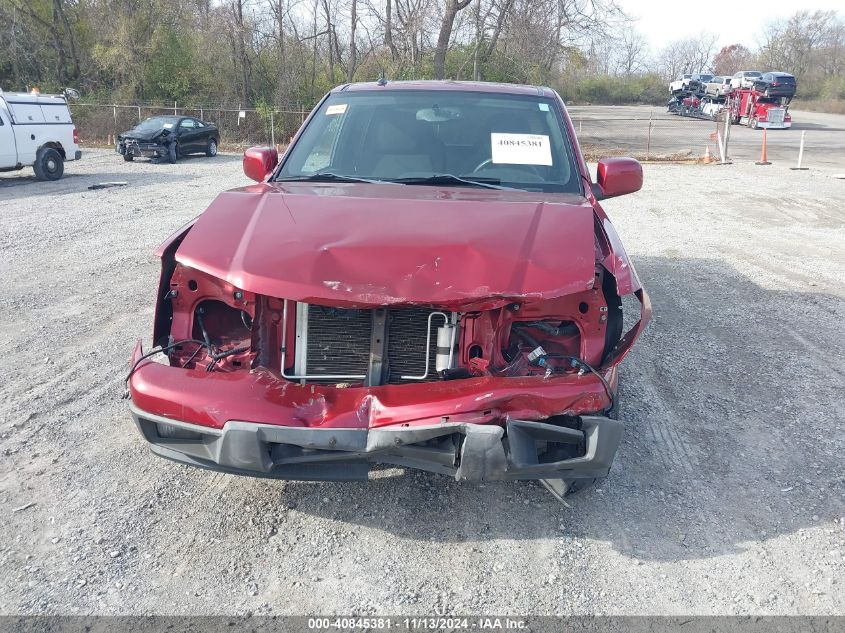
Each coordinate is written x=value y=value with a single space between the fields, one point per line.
x=211 y=150
x=128 y=157
x=49 y=164
x=172 y=152
x=753 y=123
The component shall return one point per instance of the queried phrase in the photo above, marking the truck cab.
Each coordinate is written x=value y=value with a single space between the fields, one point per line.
x=754 y=109
x=36 y=130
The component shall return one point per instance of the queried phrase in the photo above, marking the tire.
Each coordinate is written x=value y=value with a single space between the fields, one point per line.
x=128 y=157
x=49 y=164
x=172 y=152
x=211 y=149
x=753 y=123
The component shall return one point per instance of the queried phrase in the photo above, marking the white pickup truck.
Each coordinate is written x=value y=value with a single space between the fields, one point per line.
x=36 y=130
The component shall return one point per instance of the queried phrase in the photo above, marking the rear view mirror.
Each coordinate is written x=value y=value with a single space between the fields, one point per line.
x=259 y=162
x=617 y=176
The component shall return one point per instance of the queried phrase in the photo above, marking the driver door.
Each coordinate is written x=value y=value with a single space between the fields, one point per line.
x=188 y=136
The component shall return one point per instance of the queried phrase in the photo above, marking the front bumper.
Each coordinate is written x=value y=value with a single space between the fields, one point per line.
x=486 y=428
x=139 y=149
x=765 y=125
x=465 y=450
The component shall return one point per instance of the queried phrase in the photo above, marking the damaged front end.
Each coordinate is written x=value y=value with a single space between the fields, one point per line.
x=157 y=145
x=275 y=375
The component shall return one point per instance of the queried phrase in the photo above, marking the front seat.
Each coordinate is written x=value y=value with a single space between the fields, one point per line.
x=403 y=148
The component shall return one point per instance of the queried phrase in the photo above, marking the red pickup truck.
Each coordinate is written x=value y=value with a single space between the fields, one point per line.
x=425 y=278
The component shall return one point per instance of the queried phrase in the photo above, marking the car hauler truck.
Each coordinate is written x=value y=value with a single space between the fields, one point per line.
x=754 y=109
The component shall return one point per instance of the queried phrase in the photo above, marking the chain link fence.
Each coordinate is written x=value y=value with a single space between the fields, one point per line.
x=643 y=132
x=100 y=123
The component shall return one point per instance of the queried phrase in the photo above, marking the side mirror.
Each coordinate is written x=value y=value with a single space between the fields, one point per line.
x=259 y=162
x=617 y=176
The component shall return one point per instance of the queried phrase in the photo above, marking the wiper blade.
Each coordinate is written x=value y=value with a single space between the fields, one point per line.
x=451 y=179
x=327 y=176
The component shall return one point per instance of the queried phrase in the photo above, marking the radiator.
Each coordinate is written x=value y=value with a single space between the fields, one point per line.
x=337 y=342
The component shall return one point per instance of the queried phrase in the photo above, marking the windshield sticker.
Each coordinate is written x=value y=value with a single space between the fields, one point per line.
x=544 y=107
x=521 y=149
x=337 y=108
x=167 y=126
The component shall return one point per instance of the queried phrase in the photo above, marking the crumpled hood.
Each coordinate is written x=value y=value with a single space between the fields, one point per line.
x=365 y=245
x=143 y=136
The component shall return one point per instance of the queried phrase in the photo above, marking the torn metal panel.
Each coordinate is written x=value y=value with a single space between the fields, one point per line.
x=346 y=244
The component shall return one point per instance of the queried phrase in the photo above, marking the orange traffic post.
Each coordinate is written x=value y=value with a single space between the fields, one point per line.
x=763 y=160
x=707 y=157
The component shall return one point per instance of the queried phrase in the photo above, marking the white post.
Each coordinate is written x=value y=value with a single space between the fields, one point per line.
x=801 y=151
x=139 y=114
x=174 y=108
x=721 y=147
x=800 y=155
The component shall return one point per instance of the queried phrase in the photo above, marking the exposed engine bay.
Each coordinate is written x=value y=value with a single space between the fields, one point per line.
x=227 y=329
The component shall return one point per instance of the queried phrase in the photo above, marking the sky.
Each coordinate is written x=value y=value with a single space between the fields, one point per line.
x=733 y=22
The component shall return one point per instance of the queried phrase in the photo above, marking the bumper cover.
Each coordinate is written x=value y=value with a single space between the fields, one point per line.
x=141 y=148
x=467 y=451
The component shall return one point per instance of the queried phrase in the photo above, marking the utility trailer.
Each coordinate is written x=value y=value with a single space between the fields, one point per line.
x=754 y=109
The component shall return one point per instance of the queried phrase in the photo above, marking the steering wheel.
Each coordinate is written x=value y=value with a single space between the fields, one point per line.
x=486 y=164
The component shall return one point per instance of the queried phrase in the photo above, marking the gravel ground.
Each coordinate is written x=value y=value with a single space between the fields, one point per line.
x=727 y=496
x=625 y=128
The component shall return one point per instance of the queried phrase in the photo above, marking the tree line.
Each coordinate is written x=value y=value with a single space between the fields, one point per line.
x=289 y=52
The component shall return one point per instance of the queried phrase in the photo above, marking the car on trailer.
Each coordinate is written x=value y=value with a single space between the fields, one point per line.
x=776 y=84
x=36 y=130
x=745 y=78
x=169 y=137
x=684 y=83
x=717 y=86
x=425 y=279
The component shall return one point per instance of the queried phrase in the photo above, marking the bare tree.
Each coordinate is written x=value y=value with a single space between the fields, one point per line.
x=446 y=26
x=686 y=55
x=353 y=52
x=731 y=59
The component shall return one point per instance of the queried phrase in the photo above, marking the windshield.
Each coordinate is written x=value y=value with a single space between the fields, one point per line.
x=706 y=77
x=155 y=123
x=422 y=137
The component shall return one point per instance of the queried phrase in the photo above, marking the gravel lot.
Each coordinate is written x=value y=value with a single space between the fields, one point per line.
x=727 y=495
x=626 y=128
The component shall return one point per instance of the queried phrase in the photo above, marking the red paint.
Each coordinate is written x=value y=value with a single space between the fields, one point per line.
x=212 y=399
x=347 y=245
x=618 y=176
x=259 y=162
x=499 y=257
x=749 y=105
